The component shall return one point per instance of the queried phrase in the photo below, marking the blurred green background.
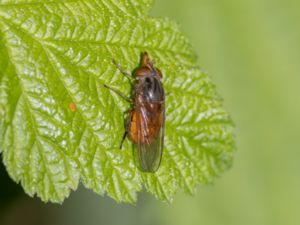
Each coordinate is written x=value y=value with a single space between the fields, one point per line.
x=251 y=49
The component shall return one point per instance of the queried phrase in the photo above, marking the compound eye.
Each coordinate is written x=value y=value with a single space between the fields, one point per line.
x=158 y=72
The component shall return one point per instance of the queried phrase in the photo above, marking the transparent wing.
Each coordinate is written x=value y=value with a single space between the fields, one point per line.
x=150 y=141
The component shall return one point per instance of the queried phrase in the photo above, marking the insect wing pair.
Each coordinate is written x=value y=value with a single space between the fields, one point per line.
x=144 y=124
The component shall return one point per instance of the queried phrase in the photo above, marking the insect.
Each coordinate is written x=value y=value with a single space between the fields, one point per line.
x=145 y=121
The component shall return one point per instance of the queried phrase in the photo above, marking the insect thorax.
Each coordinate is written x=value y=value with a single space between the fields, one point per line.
x=150 y=89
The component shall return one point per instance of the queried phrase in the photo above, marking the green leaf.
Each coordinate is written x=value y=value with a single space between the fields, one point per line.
x=53 y=53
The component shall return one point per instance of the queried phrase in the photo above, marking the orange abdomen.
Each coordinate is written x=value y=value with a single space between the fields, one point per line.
x=145 y=130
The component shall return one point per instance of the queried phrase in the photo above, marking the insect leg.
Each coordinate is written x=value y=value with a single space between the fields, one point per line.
x=126 y=74
x=127 y=126
x=123 y=139
x=119 y=93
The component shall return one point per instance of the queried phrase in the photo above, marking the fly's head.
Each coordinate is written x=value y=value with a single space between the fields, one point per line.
x=147 y=68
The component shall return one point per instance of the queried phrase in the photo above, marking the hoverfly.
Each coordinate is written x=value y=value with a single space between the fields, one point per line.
x=145 y=121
